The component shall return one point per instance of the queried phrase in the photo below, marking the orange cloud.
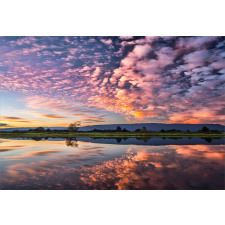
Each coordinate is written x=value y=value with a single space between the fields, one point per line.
x=54 y=116
x=15 y=119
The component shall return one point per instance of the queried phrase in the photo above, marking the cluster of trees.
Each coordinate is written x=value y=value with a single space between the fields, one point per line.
x=42 y=129
x=203 y=130
x=118 y=129
x=144 y=130
x=38 y=129
x=207 y=130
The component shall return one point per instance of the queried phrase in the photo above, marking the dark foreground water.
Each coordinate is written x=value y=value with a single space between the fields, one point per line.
x=86 y=163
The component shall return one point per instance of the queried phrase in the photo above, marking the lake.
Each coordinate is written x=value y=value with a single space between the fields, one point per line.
x=108 y=164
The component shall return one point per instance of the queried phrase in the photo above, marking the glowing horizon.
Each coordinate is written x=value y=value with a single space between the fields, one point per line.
x=53 y=81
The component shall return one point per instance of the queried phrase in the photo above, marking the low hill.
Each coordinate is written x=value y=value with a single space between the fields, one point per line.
x=155 y=127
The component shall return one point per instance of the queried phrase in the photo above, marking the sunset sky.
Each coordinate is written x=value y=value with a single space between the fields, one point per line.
x=53 y=81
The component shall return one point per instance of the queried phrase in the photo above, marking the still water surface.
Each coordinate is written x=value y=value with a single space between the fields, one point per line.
x=86 y=163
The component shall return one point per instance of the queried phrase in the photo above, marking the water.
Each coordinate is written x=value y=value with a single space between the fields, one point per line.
x=86 y=163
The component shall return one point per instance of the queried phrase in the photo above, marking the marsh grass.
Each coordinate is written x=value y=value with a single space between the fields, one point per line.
x=108 y=134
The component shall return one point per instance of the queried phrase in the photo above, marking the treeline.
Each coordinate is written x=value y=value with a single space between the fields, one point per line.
x=119 y=129
x=40 y=130
x=144 y=130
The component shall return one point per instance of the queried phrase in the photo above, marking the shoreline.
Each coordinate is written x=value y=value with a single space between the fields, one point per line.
x=107 y=134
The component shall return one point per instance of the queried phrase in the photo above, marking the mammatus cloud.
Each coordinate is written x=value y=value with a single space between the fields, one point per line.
x=151 y=79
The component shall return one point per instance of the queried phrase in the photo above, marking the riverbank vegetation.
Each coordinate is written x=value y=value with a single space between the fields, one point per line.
x=117 y=133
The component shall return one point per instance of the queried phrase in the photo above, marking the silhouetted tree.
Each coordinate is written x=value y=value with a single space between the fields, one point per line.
x=216 y=131
x=40 y=129
x=74 y=126
x=162 y=130
x=172 y=130
x=125 y=130
x=205 y=129
x=118 y=129
x=143 y=130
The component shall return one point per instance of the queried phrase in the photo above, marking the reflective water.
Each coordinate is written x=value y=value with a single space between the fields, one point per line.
x=86 y=163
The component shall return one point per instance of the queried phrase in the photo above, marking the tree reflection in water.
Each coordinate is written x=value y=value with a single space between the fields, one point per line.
x=72 y=142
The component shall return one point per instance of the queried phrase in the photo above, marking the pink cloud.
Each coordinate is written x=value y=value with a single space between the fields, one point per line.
x=151 y=78
x=106 y=41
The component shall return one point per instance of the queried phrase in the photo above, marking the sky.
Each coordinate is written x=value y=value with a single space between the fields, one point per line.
x=53 y=81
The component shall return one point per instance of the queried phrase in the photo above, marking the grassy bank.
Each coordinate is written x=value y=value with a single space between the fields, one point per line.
x=107 y=134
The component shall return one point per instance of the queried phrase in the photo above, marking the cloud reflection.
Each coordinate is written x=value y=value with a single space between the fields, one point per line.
x=48 y=165
x=179 y=167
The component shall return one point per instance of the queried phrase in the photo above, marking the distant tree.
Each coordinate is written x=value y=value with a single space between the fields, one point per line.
x=48 y=130
x=74 y=126
x=16 y=131
x=216 y=131
x=125 y=130
x=137 y=130
x=162 y=130
x=172 y=130
x=188 y=131
x=143 y=130
x=118 y=129
x=40 y=129
x=205 y=129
